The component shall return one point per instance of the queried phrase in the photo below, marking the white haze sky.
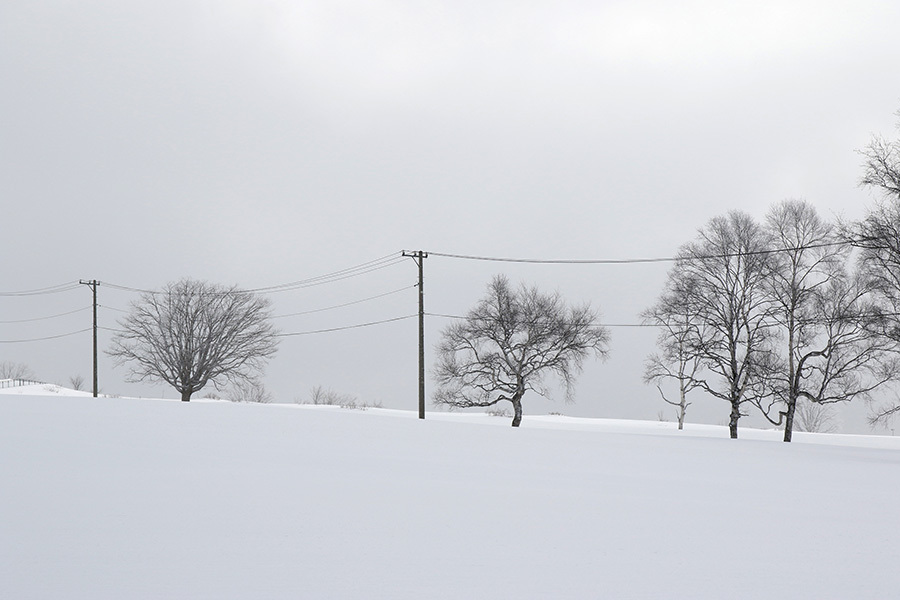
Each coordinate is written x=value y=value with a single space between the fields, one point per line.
x=260 y=143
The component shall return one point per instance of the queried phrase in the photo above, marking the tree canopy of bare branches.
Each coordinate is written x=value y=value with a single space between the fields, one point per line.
x=194 y=333
x=17 y=371
x=878 y=237
x=676 y=360
x=768 y=316
x=878 y=234
x=803 y=282
x=249 y=390
x=508 y=345
x=834 y=355
x=715 y=295
x=76 y=382
x=881 y=165
x=815 y=418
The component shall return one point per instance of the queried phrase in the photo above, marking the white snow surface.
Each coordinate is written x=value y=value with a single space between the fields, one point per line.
x=126 y=498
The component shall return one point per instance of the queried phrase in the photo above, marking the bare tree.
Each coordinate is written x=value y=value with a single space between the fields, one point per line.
x=676 y=361
x=194 y=333
x=509 y=343
x=878 y=238
x=878 y=234
x=321 y=395
x=15 y=371
x=841 y=359
x=813 y=417
x=720 y=279
x=881 y=167
x=249 y=390
x=809 y=257
x=828 y=353
x=325 y=396
x=77 y=382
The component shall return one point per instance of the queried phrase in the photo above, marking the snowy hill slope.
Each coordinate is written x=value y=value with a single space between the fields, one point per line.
x=121 y=498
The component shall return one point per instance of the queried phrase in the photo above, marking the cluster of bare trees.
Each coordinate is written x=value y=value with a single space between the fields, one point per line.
x=13 y=370
x=789 y=316
x=764 y=314
x=793 y=312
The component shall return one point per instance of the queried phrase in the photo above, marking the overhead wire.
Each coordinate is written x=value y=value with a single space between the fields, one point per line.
x=357 y=326
x=462 y=318
x=347 y=273
x=361 y=269
x=381 y=263
x=630 y=261
x=126 y=288
x=71 y=312
x=768 y=325
x=327 y=308
x=54 y=289
x=49 y=337
x=112 y=308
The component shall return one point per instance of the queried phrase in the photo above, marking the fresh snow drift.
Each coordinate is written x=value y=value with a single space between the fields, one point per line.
x=123 y=498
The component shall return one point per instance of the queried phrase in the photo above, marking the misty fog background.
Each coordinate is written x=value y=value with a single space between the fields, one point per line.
x=265 y=143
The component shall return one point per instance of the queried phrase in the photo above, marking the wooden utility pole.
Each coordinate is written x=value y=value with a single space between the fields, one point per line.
x=420 y=257
x=93 y=285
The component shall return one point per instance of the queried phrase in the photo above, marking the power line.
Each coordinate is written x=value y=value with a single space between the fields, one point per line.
x=318 y=310
x=347 y=327
x=71 y=312
x=769 y=325
x=551 y=261
x=630 y=261
x=360 y=269
x=41 y=339
x=54 y=289
x=460 y=317
x=354 y=271
x=112 y=308
x=125 y=288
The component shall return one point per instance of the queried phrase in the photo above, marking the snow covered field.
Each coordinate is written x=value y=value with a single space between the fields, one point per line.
x=123 y=498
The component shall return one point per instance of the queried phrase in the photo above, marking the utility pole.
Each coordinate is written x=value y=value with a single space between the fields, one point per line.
x=93 y=285
x=420 y=257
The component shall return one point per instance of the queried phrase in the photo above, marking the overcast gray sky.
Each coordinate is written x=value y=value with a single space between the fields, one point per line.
x=259 y=143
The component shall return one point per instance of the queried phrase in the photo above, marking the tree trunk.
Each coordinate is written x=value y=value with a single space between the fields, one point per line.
x=789 y=419
x=733 y=422
x=186 y=395
x=517 y=407
x=792 y=377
